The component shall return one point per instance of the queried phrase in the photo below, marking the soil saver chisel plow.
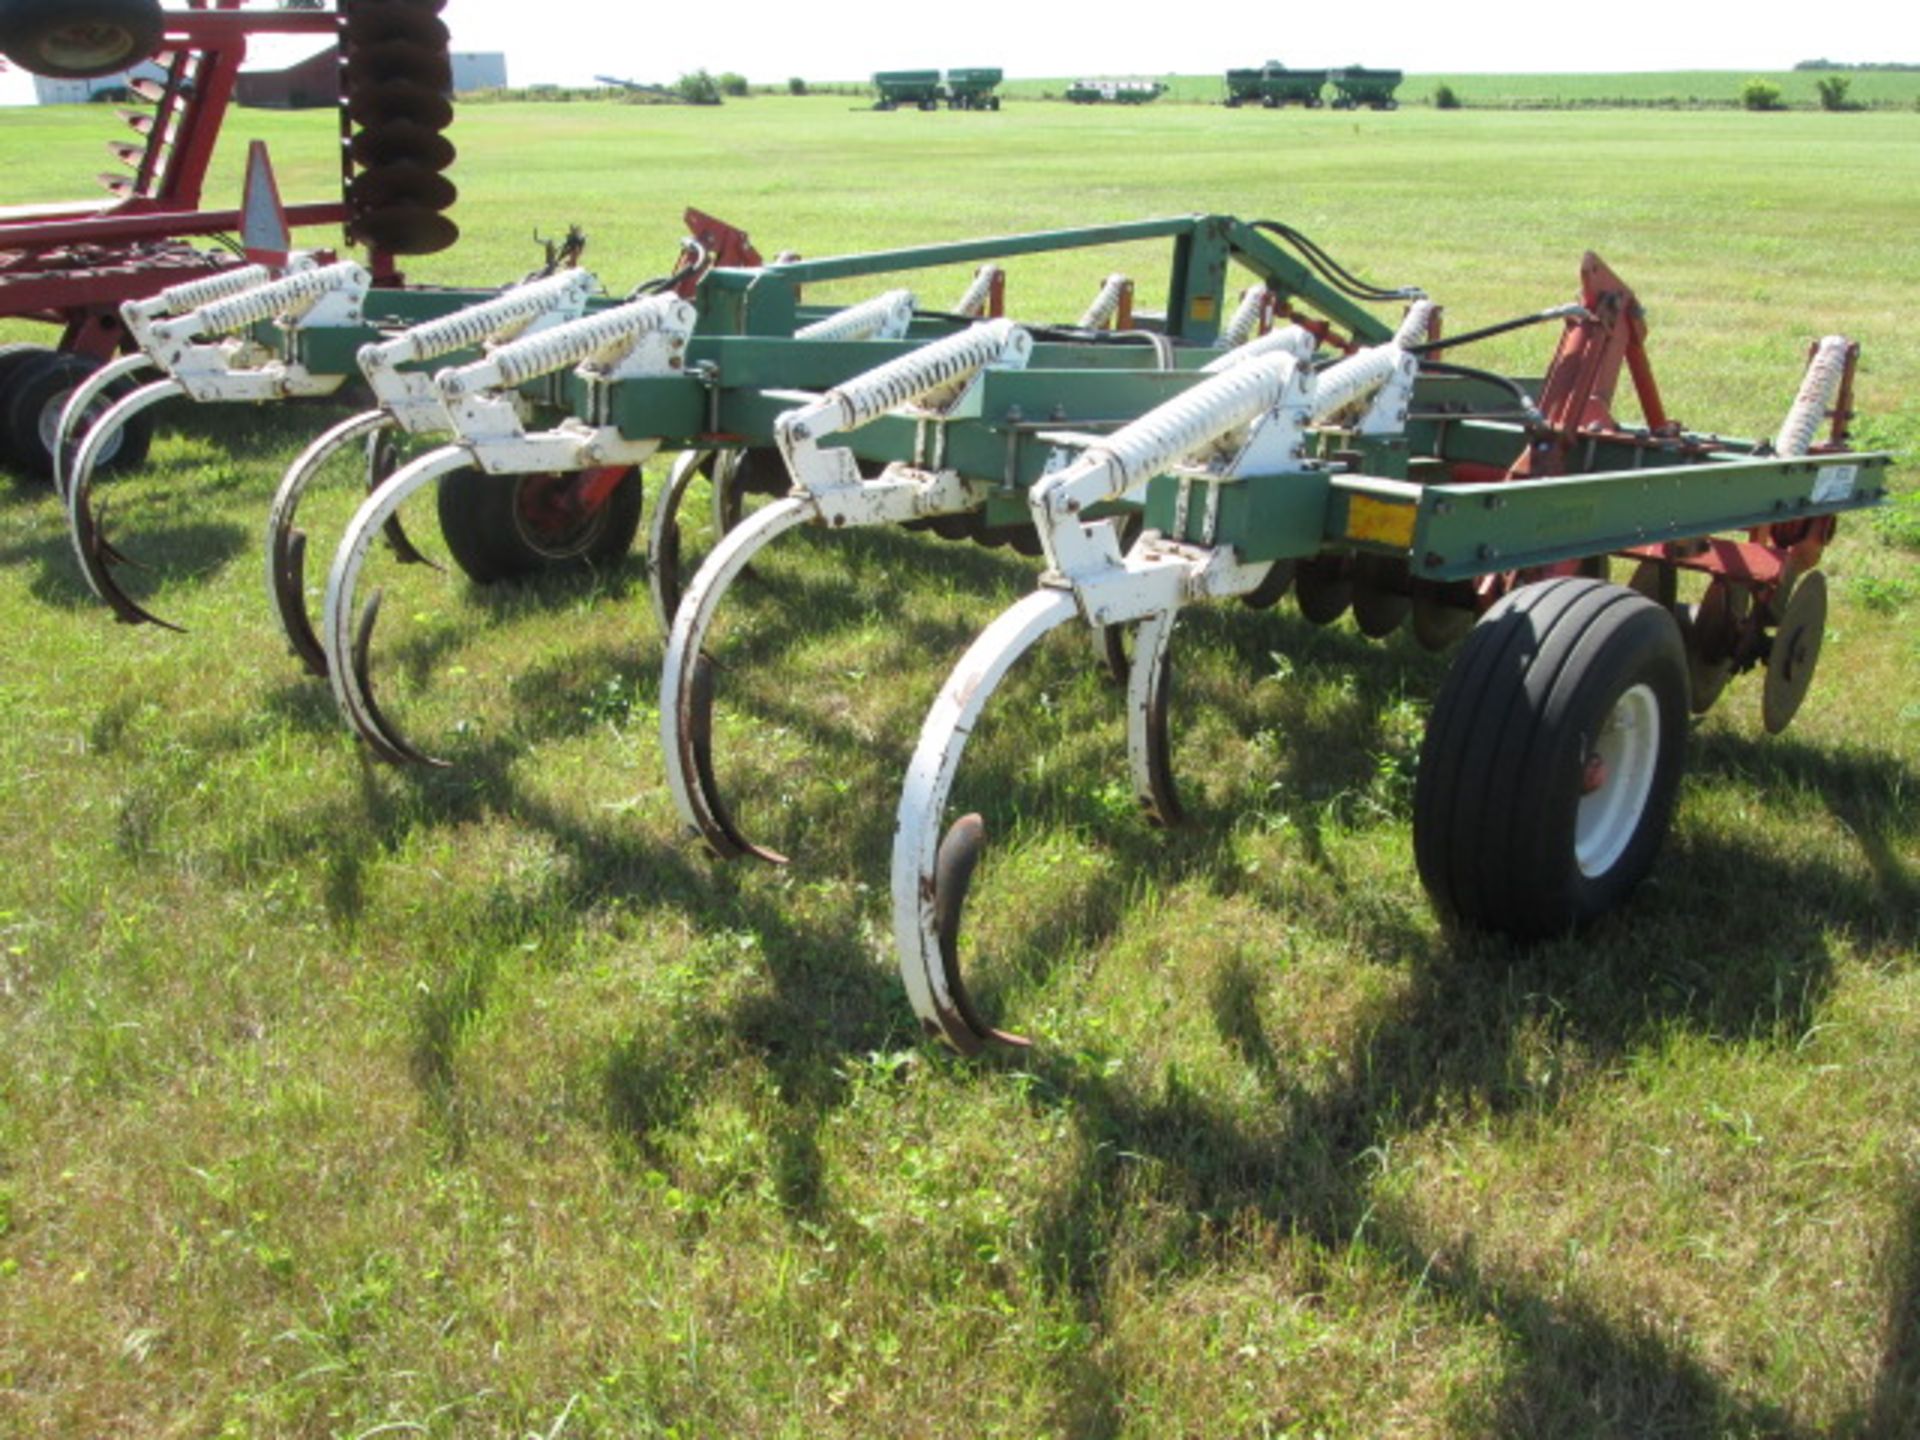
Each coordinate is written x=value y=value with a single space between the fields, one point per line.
x=755 y=353
x=1553 y=755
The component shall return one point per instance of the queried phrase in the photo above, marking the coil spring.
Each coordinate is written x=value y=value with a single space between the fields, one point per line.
x=226 y=317
x=192 y=294
x=1190 y=422
x=1357 y=376
x=975 y=299
x=565 y=345
x=1414 y=325
x=866 y=397
x=1817 y=390
x=1245 y=316
x=857 y=322
x=1289 y=340
x=1105 y=303
x=477 y=322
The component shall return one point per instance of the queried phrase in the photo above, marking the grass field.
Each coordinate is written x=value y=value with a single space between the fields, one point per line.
x=1668 y=89
x=341 y=1101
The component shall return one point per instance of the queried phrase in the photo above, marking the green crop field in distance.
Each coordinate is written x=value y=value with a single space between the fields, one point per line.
x=1670 y=89
x=342 y=1101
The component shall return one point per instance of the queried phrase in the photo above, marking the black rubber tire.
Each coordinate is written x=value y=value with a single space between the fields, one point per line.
x=79 y=39
x=482 y=522
x=14 y=360
x=1504 y=765
x=33 y=401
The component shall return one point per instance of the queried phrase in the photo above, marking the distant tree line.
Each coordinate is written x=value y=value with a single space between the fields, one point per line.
x=1854 y=65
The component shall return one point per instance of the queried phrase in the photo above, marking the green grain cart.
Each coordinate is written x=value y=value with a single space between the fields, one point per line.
x=973 y=89
x=1358 y=86
x=1274 y=85
x=917 y=88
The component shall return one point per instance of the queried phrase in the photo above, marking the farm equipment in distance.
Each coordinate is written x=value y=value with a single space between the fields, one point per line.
x=1117 y=92
x=75 y=265
x=964 y=89
x=1273 y=85
x=1357 y=86
x=1339 y=458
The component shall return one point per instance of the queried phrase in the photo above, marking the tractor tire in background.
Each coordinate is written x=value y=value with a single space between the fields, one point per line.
x=506 y=527
x=79 y=39
x=14 y=362
x=32 y=397
x=1552 y=759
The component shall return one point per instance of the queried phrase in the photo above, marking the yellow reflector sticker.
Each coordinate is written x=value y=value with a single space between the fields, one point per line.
x=1379 y=521
x=1202 y=307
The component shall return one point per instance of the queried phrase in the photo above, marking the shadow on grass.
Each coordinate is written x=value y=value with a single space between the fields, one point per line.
x=1894 y=1411
x=1728 y=941
x=1875 y=796
x=1306 y=1171
x=193 y=549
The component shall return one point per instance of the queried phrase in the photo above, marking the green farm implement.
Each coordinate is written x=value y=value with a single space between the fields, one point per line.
x=919 y=89
x=1315 y=435
x=964 y=89
x=972 y=89
x=1274 y=85
x=1357 y=87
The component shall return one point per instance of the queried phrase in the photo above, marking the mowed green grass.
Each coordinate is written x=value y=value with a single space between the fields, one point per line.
x=1879 y=89
x=337 y=1100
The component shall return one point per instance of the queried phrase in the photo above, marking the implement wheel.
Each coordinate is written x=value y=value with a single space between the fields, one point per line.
x=503 y=527
x=79 y=39
x=1552 y=759
x=36 y=394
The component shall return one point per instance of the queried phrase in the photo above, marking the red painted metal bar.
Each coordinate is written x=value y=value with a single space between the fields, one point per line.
x=148 y=222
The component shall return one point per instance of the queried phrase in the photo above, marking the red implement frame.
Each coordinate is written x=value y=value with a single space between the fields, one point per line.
x=74 y=264
x=1576 y=404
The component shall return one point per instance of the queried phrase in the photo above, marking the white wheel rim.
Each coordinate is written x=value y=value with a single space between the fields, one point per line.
x=1621 y=762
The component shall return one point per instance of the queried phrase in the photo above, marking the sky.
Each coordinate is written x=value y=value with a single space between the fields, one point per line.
x=849 y=39
x=568 y=42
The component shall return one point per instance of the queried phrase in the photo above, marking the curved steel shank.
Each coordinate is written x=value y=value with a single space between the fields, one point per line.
x=344 y=643
x=686 y=697
x=96 y=553
x=928 y=955
x=287 y=544
x=663 y=534
x=80 y=401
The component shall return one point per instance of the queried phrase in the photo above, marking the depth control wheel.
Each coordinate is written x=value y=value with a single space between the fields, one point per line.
x=502 y=527
x=1552 y=759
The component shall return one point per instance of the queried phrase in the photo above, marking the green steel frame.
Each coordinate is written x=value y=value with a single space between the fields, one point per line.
x=1623 y=491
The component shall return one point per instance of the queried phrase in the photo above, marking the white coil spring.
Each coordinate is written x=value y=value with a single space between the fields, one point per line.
x=1105 y=303
x=229 y=316
x=564 y=345
x=471 y=326
x=1414 y=325
x=192 y=294
x=1289 y=340
x=1245 y=316
x=1818 y=387
x=1358 y=376
x=1190 y=422
x=974 y=301
x=858 y=322
x=869 y=396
